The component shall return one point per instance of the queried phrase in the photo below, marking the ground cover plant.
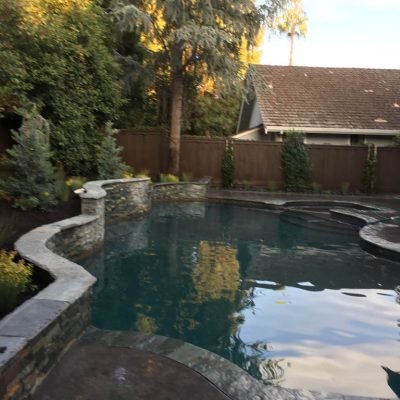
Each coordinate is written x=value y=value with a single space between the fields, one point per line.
x=15 y=280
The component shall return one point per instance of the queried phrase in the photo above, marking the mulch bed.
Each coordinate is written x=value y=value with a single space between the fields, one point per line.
x=15 y=222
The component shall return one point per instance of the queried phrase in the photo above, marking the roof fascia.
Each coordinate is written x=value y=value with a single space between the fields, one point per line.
x=338 y=131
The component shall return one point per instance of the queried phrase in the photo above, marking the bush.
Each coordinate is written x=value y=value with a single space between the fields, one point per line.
x=187 y=177
x=109 y=162
x=316 y=187
x=369 y=178
x=32 y=183
x=143 y=173
x=168 y=178
x=15 y=279
x=295 y=162
x=75 y=182
x=344 y=187
x=59 y=54
x=61 y=188
x=272 y=186
x=228 y=165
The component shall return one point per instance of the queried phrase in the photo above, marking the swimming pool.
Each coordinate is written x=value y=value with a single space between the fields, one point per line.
x=291 y=302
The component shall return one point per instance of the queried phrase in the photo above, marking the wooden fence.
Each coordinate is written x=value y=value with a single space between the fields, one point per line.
x=258 y=163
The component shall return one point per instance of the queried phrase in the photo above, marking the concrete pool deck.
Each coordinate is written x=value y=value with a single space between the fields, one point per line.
x=136 y=366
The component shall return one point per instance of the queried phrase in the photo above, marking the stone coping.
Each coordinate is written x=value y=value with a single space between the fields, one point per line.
x=225 y=375
x=94 y=189
x=372 y=236
x=203 y=181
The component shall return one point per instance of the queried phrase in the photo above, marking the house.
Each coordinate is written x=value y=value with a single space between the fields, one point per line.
x=338 y=106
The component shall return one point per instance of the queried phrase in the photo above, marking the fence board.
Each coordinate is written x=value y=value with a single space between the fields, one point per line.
x=144 y=150
x=388 y=170
x=258 y=163
x=202 y=157
x=333 y=166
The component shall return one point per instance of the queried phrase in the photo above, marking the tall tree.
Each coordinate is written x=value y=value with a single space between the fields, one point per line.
x=194 y=36
x=292 y=21
x=59 y=55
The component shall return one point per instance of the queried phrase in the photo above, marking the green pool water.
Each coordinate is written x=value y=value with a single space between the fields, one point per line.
x=291 y=302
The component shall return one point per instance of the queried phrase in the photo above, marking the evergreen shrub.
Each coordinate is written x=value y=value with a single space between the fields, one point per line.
x=295 y=162
x=228 y=165
x=32 y=183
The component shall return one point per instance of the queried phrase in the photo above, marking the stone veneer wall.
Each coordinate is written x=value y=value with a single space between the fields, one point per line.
x=35 y=335
x=180 y=191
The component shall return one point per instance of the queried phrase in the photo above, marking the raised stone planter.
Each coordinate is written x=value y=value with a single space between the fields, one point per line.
x=180 y=191
x=37 y=333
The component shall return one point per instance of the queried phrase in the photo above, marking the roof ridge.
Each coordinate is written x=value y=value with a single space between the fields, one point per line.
x=326 y=68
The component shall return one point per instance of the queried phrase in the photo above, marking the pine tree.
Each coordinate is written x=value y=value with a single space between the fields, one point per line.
x=32 y=181
x=109 y=162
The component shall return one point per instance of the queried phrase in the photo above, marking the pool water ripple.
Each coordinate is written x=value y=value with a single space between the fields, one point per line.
x=292 y=305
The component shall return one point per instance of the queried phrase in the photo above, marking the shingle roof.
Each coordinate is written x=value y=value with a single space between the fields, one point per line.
x=349 y=98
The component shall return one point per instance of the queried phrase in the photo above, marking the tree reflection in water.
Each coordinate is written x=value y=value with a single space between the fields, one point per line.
x=212 y=275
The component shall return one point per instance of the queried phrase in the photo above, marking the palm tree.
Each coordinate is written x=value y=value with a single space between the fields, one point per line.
x=292 y=21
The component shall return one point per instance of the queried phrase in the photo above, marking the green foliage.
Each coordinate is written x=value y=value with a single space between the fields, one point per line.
x=15 y=279
x=344 y=187
x=211 y=116
x=187 y=177
x=75 y=182
x=32 y=181
x=396 y=140
x=369 y=178
x=109 y=162
x=272 y=186
x=316 y=187
x=295 y=162
x=143 y=173
x=228 y=165
x=61 y=188
x=168 y=178
x=59 y=55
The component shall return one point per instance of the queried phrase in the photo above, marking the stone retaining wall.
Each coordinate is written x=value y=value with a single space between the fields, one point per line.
x=35 y=335
x=126 y=201
x=183 y=191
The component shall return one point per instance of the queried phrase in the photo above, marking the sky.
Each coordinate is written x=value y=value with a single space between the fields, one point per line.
x=343 y=33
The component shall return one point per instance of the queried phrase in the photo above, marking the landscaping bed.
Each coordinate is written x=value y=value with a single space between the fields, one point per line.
x=14 y=223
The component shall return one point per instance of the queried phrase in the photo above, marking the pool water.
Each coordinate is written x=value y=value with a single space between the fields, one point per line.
x=294 y=304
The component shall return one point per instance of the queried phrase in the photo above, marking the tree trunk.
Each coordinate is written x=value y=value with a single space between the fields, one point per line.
x=175 y=131
x=292 y=34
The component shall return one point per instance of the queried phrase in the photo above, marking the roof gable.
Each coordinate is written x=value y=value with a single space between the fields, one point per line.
x=314 y=97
